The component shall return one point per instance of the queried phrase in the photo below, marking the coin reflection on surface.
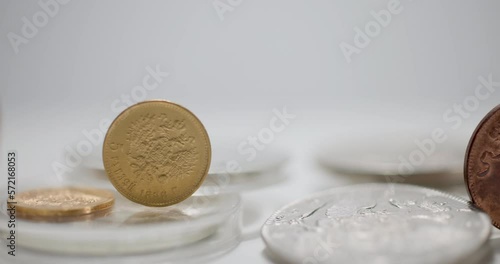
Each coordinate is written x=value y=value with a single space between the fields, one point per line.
x=152 y=217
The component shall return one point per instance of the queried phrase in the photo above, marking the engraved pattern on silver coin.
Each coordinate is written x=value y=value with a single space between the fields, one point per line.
x=376 y=223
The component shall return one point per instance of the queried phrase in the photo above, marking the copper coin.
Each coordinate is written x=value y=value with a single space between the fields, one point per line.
x=482 y=166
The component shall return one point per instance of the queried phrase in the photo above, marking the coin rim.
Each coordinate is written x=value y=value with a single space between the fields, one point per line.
x=472 y=140
x=179 y=198
x=37 y=212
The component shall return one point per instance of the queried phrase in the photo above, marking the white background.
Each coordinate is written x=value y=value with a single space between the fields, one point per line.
x=233 y=72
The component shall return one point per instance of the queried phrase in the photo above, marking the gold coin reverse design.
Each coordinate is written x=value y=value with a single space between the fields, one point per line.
x=156 y=153
x=62 y=202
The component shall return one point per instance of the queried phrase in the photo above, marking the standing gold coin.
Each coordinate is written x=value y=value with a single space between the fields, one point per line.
x=156 y=153
x=64 y=202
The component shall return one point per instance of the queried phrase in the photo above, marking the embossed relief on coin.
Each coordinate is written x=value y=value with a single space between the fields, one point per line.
x=160 y=149
x=356 y=224
x=495 y=133
x=490 y=159
x=66 y=198
x=156 y=153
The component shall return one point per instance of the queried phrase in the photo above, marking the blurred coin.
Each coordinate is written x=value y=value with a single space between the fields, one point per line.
x=377 y=223
x=393 y=154
x=157 y=153
x=232 y=172
x=64 y=203
x=482 y=165
x=223 y=161
x=226 y=158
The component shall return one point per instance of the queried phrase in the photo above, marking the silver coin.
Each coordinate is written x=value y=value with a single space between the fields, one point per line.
x=377 y=223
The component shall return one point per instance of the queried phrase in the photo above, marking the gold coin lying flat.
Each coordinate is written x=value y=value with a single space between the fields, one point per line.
x=64 y=202
x=156 y=153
